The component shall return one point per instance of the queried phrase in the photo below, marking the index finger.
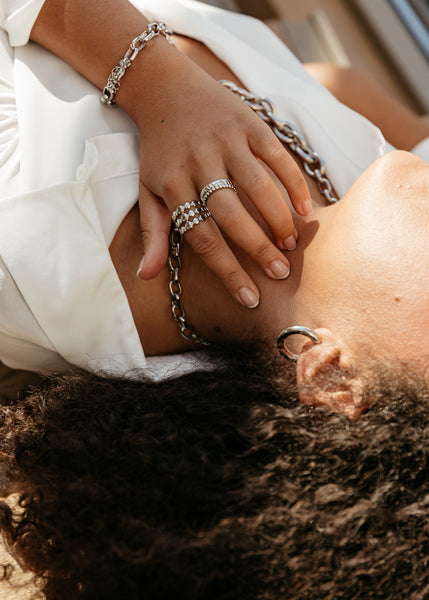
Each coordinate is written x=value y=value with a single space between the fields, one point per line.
x=207 y=241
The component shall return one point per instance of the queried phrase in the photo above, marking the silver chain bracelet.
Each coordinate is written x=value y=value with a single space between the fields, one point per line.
x=313 y=164
x=136 y=46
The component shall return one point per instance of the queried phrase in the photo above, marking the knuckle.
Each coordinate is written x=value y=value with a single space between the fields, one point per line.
x=206 y=245
x=170 y=183
x=229 y=218
x=215 y=135
x=262 y=250
x=145 y=235
x=146 y=240
x=196 y=158
x=230 y=277
x=278 y=154
x=209 y=248
x=259 y=183
x=262 y=133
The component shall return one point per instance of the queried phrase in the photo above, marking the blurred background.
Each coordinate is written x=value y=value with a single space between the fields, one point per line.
x=387 y=38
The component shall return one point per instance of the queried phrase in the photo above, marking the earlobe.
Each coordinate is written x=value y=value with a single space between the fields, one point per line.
x=326 y=377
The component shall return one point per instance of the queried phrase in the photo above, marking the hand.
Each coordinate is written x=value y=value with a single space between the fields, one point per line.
x=192 y=132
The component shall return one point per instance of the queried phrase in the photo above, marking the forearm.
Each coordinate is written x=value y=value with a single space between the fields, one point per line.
x=92 y=36
x=357 y=90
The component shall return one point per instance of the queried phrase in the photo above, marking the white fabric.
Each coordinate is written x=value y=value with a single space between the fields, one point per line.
x=70 y=176
x=422 y=150
x=17 y=17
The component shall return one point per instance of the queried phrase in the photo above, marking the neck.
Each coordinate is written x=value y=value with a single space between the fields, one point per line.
x=209 y=308
x=217 y=317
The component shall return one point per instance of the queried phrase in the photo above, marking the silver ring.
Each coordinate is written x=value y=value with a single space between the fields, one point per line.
x=187 y=215
x=218 y=184
x=295 y=330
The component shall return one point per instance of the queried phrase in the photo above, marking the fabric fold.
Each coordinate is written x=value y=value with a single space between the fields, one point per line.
x=68 y=280
x=17 y=17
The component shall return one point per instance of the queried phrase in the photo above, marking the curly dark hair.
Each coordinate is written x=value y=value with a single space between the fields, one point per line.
x=218 y=485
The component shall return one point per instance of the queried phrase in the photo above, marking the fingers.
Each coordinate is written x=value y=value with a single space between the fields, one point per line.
x=207 y=241
x=267 y=198
x=236 y=222
x=230 y=217
x=155 y=219
x=269 y=149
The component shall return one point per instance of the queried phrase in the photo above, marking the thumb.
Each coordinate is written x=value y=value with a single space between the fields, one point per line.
x=155 y=220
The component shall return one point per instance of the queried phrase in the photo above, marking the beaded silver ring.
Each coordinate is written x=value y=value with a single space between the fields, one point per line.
x=218 y=184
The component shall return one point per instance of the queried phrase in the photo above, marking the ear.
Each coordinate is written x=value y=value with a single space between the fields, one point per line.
x=326 y=377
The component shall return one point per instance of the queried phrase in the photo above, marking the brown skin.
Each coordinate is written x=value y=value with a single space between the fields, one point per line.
x=230 y=141
x=326 y=290
x=356 y=89
x=309 y=295
x=150 y=303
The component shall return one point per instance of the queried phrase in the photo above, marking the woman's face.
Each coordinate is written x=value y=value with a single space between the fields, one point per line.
x=366 y=272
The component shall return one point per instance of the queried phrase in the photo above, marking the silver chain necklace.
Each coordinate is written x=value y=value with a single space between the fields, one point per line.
x=313 y=164
x=175 y=265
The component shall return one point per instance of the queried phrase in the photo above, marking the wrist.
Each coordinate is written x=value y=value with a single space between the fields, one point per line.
x=94 y=36
x=137 y=45
x=147 y=80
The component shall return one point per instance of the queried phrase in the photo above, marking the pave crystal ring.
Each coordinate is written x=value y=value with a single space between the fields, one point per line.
x=187 y=215
x=218 y=184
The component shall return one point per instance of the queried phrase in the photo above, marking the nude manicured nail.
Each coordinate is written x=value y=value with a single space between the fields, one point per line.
x=289 y=243
x=140 y=267
x=307 y=207
x=279 y=269
x=248 y=297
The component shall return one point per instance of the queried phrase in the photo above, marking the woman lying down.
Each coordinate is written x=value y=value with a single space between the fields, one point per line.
x=219 y=484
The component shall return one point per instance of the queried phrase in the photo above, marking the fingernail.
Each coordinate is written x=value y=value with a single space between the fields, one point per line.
x=307 y=207
x=248 y=297
x=279 y=269
x=289 y=243
x=140 y=267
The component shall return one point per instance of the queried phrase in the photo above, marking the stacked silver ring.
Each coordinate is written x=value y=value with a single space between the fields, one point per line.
x=187 y=215
x=218 y=184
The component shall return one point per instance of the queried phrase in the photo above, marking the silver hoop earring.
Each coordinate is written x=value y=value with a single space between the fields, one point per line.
x=295 y=330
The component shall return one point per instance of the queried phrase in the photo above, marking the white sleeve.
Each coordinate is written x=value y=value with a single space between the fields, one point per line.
x=17 y=17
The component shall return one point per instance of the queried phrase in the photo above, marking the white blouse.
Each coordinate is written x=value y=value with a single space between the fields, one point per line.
x=69 y=175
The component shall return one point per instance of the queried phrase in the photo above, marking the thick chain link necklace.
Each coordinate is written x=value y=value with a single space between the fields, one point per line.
x=312 y=162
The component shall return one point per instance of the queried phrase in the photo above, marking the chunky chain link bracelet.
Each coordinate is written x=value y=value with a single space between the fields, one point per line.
x=136 y=46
